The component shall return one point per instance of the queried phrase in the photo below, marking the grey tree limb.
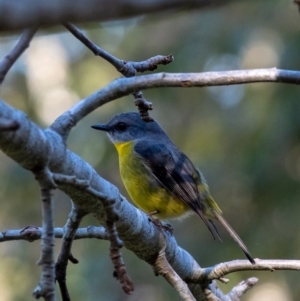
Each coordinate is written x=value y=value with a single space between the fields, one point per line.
x=124 y=86
x=19 y=14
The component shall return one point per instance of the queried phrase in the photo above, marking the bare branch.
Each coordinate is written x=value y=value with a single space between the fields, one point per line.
x=128 y=69
x=14 y=54
x=18 y=14
x=32 y=233
x=65 y=254
x=124 y=86
x=46 y=287
x=96 y=49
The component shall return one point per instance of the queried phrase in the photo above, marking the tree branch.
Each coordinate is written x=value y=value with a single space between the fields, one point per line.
x=65 y=254
x=14 y=54
x=46 y=287
x=223 y=269
x=124 y=86
x=18 y=14
x=32 y=233
x=128 y=69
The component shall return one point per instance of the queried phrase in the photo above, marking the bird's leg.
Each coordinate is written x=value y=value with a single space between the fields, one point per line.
x=158 y=223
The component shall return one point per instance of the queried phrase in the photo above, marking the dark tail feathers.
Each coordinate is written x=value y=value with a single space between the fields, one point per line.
x=234 y=235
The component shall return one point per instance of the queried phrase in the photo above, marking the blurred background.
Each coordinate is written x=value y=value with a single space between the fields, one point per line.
x=244 y=138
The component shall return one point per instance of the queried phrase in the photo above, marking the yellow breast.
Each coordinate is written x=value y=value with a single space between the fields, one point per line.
x=142 y=186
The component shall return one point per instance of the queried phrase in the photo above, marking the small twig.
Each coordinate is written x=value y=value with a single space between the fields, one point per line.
x=143 y=106
x=115 y=245
x=65 y=254
x=32 y=233
x=46 y=287
x=163 y=268
x=128 y=69
x=240 y=289
x=152 y=63
x=14 y=54
x=118 y=64
x=8 y=125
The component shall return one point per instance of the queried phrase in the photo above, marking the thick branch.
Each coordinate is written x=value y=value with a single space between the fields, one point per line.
x=19 y=14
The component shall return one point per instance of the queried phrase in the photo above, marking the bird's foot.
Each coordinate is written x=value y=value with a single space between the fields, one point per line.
x=158 y=223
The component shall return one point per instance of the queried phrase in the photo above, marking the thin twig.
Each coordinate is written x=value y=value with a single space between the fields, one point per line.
x=14 y=54
x=32 y=233
x=126 y=68
x=115 y=245
x=46 y=287
x=65 y=254
x=143 y=106
x=240 y=289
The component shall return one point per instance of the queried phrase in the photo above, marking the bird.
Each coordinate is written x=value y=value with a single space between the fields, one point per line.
x=160 y=179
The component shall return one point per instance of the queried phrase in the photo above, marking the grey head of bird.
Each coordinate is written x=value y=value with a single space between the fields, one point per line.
x=129 y=126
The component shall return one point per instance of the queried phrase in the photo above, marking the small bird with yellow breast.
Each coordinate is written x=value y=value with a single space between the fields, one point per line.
x=160 y=179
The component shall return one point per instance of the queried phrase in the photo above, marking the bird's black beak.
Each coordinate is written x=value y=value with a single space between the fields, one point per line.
x=101 y=127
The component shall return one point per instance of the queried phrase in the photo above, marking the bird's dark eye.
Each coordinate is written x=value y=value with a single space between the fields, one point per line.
x=121 y=126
